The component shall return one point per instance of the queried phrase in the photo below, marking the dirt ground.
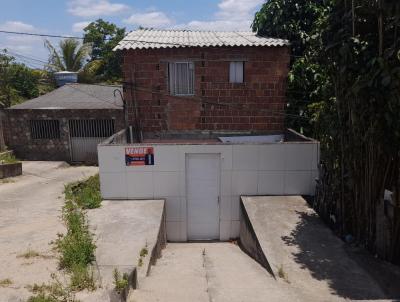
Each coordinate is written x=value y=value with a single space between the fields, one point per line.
x=30 y=208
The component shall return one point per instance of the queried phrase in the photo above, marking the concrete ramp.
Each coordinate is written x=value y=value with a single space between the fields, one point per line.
x=288 y=238
x=123 y=229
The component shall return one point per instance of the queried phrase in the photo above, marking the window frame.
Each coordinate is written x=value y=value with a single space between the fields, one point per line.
x=235 y=81
x=38 y=132
x=172 y=86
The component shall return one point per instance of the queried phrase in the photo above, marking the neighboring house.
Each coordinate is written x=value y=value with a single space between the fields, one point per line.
x=195 y=81
x=65 y=124
x=207 y=111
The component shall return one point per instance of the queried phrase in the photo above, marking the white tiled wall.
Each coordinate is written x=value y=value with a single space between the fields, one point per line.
x=250 y=169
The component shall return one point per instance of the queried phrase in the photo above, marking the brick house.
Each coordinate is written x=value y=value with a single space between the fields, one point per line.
x=179 y=81
x=65 y=124
x=209 y=109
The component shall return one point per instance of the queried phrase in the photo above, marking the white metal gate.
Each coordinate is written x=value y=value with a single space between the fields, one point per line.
x=203 y=189
x=85 y=135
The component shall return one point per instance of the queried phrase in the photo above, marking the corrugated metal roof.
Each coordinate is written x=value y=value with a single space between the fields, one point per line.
x=151 y=38
x=76 y=96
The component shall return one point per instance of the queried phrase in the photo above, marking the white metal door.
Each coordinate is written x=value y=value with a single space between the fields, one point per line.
x=85 y=135
x=203 y=189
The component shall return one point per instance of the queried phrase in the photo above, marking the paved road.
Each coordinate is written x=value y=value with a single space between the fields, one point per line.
x=29 y=219
x=205 y=272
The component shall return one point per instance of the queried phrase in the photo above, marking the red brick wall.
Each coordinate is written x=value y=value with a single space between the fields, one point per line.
x=256 y=105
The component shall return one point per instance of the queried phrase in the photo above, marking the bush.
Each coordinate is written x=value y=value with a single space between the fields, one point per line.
x=8 y=158
x=85 y=193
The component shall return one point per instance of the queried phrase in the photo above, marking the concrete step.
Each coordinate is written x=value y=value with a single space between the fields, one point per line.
x=207 y=272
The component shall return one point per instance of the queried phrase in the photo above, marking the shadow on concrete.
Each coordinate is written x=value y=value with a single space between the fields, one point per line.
x=348 y=274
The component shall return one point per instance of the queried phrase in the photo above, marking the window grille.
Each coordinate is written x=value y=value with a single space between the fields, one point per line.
x=181 y=78
x=91 y=128
x=45 y=129
x=236 y=72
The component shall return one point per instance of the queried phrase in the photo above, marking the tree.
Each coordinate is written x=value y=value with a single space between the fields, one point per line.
x=19 y=82
x=7 y=92
x=103 y=37
x=299 y=21
x=347 y=67
x=71 y=57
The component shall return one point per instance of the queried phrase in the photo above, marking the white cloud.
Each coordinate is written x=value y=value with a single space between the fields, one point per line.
x=93 y=8
x=149 y=19
x=232 y=15
x=31 y=46
x=79 y=26
x=17 y=26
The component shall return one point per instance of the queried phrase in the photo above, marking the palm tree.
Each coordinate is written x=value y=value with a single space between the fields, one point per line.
x=71 y=57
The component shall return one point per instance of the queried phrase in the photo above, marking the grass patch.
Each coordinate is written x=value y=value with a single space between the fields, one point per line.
x=29 y=254
x=120 y=282
x=5 y=282
x=8 y=158
x=86 y=194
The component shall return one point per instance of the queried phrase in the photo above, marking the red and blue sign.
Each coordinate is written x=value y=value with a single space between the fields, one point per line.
x=139 y=156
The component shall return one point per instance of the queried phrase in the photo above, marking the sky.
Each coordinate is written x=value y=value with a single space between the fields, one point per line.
x=69 y=17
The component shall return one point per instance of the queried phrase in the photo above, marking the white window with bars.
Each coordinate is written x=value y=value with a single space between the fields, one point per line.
x=236 y=71
x=181 y=78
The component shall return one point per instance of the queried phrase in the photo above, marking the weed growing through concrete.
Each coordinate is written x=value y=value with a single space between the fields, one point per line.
x=29 y=254
x=120 y=282
x=76 y=247
x=53 y=292
x=5 y=282
x=140 y=262
x=86 y=194
x=144 y=252
x=282 y=274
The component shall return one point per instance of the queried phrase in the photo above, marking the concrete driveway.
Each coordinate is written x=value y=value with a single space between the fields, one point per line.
x=29 y=220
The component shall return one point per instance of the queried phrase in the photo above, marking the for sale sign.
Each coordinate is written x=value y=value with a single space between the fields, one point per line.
x=139 y=156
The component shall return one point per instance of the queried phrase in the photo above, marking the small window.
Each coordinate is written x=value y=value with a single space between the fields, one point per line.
x=236 y=72
x=45 y=129
x=181 y=78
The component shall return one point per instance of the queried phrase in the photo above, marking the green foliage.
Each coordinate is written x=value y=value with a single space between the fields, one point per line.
x=144 y=252
x=86 y=194
x=76 y=247
x=55 y=291
x=299 y=21
x=120 y=283
x=18 y=82
x=345 y=82
x=8 y=158
x=70 y=57
x=82 y=278
x=41 y=298
x=103 y=37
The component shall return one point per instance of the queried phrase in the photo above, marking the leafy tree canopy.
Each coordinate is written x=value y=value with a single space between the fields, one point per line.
x=105 y=64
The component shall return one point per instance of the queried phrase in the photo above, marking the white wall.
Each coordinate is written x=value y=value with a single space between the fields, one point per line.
x=246 y=169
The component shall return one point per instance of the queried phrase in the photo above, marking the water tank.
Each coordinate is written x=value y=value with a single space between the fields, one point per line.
x=65 y=77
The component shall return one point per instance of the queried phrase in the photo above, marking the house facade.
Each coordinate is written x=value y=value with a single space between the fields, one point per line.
x=65 y=124
x=206 y=126
x=185 y=81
